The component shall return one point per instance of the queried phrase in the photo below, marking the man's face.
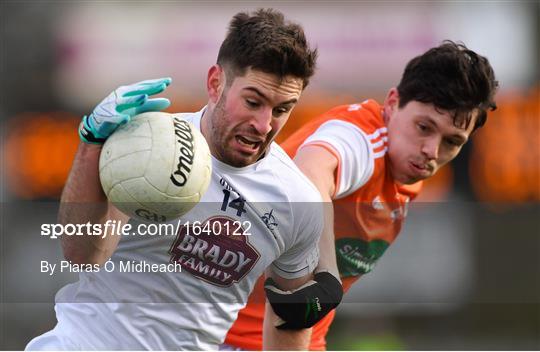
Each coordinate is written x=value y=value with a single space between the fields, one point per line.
x=248 y=114
x=421 y=139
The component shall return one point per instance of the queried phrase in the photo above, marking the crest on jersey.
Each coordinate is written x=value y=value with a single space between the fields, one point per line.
x=270 y=220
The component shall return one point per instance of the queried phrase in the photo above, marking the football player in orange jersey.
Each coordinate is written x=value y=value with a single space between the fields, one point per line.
x=369 y=160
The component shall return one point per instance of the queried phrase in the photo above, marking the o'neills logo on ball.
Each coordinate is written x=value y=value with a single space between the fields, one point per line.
x=182 y=131
x=220 y=258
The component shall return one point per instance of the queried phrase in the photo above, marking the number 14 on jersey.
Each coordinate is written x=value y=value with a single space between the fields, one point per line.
x=238 y=204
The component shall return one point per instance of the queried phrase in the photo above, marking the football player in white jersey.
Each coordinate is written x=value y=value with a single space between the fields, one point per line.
x=262 y=68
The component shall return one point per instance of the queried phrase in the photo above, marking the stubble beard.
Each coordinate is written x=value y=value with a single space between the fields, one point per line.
x=218 y=126
x=220 y=139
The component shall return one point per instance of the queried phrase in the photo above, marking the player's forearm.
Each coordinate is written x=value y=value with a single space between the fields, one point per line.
x=327 y=252
x=83 y=180
x=83 y=201
x=83 y=198
x=279 y=340
x=320 y=167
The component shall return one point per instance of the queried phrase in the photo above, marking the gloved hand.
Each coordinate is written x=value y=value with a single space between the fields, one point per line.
x=120 y=106
x=307 y=305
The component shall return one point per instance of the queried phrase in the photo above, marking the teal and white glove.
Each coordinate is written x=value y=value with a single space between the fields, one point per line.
x=120 y=106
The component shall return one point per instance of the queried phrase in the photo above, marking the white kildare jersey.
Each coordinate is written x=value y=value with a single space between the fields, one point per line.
x=265 y=214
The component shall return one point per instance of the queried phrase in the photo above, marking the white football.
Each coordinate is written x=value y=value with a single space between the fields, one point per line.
x=156 y=167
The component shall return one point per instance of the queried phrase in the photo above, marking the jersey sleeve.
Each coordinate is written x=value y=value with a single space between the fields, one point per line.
x=351 y=146
x=303 y=256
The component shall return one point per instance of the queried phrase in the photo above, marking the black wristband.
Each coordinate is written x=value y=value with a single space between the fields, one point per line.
x=305 y=307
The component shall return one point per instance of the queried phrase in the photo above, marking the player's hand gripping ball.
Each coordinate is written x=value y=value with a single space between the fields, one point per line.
x=120 y=106
x=156 y=167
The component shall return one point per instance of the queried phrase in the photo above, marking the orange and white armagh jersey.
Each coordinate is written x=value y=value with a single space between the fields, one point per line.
x=369 y=206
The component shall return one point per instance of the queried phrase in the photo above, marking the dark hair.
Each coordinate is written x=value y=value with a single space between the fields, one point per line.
x=265 y=41
x=452 y=78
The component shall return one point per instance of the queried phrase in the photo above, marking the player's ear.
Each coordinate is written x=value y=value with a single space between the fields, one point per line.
x=215 y=82
x=391 y=103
